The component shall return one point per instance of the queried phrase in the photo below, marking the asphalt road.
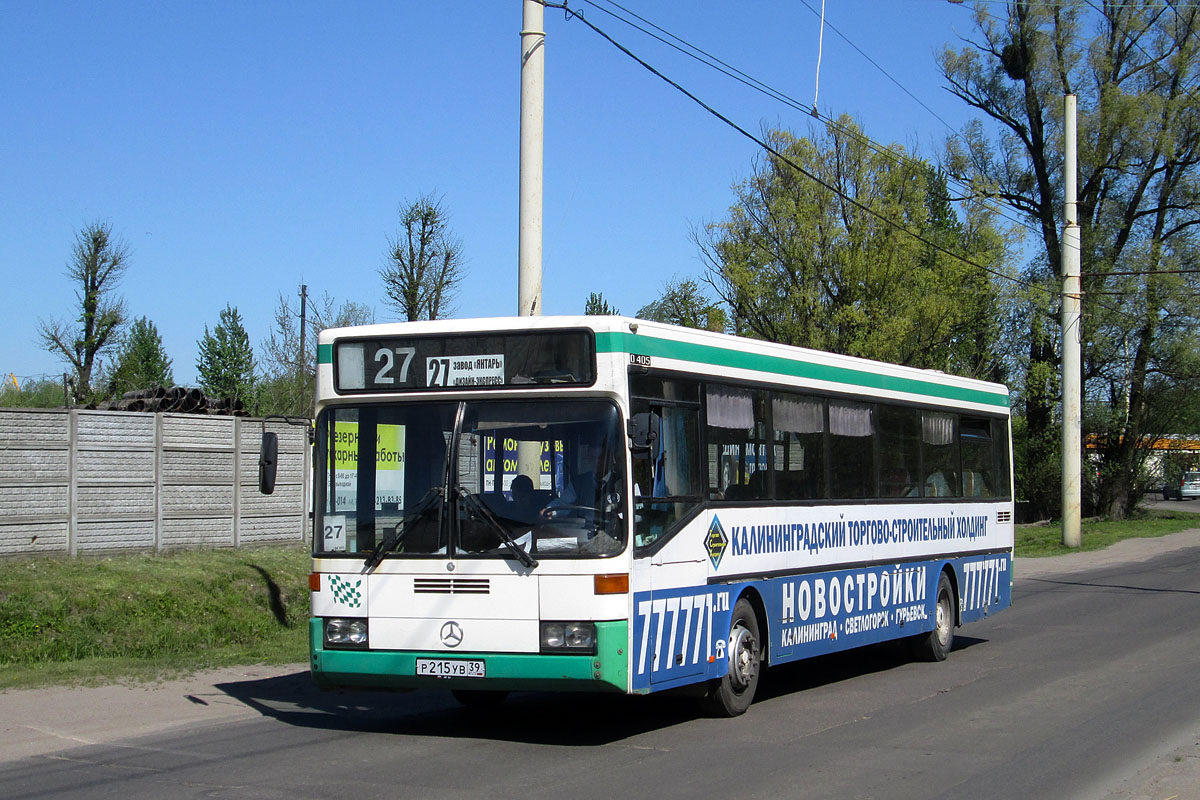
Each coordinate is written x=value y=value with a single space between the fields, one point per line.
x=1086 y=688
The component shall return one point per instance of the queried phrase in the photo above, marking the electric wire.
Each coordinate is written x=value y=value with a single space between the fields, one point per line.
x=708 y=59
x=571 y=13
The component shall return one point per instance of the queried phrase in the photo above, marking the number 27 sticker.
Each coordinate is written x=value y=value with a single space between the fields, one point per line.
x=333 y=534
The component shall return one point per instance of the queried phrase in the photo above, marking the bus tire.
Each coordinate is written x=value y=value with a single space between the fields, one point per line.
x=731 y=695
x=479 y=698
x=936 y=645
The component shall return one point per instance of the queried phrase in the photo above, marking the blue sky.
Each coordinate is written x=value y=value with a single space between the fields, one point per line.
x=243 y=148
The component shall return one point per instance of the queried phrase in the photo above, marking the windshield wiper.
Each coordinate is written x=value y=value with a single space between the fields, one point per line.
x=402 y=528
x=505 y=537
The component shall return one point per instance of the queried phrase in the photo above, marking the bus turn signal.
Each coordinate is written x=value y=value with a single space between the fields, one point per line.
x=612 y=584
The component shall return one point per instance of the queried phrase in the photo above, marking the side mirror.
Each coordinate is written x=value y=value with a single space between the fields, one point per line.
x=268 y=459
x=642 y=432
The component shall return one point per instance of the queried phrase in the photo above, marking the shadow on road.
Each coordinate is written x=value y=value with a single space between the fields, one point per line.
x=563 y=719
x=812 y=673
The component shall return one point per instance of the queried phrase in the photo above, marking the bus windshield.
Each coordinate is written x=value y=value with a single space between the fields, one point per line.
x=471 y=480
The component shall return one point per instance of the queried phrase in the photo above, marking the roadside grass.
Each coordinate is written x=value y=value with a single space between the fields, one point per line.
x=141 y=617
x=1046 y=540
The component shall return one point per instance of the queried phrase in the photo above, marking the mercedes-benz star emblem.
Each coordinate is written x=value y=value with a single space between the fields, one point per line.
x=452 y=634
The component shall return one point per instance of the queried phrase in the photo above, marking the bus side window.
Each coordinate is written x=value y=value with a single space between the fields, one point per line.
x=939 y=455
x=666 y=476
x=799 y=424
x=978 y=463
x=899 y=451
x=851 y=451
x=738 y=447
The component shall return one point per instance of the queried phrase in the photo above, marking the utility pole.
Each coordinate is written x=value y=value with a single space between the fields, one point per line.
x=529 y=245
x=1072 y=416
x=303 y=323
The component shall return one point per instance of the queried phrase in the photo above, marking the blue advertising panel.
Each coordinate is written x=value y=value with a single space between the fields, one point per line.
x=680 y=634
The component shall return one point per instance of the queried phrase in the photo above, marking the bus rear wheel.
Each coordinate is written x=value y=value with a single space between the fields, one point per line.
x=936 y=645
x=732 y=694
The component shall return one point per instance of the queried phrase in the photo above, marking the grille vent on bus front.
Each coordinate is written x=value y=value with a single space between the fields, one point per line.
x=451 y=586
x=1003 y=516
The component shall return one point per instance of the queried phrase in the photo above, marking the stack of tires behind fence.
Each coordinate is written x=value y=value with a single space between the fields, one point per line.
x=177 y=399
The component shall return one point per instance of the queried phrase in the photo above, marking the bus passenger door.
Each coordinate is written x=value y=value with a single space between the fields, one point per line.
x=677 y=635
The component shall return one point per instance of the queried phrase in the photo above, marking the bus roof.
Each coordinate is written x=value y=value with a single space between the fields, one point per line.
x=677 y=348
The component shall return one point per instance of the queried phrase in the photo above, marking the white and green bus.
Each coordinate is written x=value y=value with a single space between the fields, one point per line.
x=610 y=504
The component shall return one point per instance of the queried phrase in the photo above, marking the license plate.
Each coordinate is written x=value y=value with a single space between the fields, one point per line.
x=450 y=667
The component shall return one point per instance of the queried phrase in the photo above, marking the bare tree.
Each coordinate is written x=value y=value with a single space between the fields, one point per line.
x=424 y=263
x=98 y=260
x=286 y=382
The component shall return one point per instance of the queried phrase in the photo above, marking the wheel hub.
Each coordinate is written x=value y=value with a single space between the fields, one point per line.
x=743 y=658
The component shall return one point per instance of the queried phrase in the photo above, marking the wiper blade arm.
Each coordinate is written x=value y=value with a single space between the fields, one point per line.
x=401 y=530
x=505 y=537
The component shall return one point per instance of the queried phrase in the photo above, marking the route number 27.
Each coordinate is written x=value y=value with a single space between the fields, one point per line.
x=388 y=357
x=438 y=371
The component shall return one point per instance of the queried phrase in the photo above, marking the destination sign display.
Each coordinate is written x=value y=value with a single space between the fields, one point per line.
x=468 y=361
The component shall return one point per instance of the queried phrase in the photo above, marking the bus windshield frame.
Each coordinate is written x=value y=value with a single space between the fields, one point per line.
x=471 y=479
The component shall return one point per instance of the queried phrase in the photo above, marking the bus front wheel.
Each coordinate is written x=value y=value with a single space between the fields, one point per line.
x=935 y=645
x=731 y=695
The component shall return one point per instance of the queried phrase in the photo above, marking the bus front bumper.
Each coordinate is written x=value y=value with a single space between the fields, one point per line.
x=606 y=670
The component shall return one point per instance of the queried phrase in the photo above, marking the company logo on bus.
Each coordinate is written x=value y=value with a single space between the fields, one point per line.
x=716 y=542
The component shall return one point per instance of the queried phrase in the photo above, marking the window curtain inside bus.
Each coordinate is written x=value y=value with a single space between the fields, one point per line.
x=795 y=415
x=937 y=429
x=850 y=419
x=730 y=408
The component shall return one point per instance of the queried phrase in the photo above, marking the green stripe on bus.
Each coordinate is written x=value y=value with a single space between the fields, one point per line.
x=641 y=344
x=324 y=354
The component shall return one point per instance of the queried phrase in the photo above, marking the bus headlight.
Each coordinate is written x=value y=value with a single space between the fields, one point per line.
x=569 y=637
x=345 y=632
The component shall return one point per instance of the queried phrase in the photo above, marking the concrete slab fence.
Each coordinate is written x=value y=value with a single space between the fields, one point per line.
x=76 y=481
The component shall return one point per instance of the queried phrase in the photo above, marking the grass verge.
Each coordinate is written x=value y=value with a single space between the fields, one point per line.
x=140 y=617
x=1046 y=540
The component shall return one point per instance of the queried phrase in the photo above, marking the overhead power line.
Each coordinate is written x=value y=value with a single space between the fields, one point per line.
x=572 y=13
x=706 y=58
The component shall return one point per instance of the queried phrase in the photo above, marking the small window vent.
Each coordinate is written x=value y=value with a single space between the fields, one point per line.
x=1003 y=517
x=451 y=586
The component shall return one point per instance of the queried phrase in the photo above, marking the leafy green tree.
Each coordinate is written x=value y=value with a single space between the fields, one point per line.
x=226 y=361
x=1134 y=68
x=804 y=265
x=597 y=306
x=424 y=263
x=98 y=260
x=683 y=302
x=141 y=362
